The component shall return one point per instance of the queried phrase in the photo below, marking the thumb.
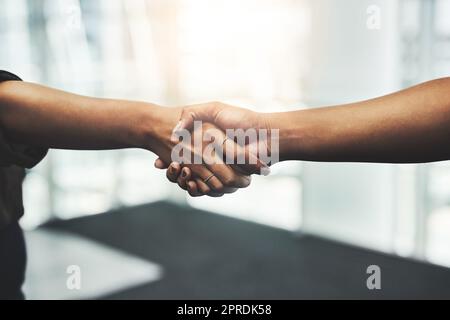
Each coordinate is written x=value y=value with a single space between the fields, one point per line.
x=160 y=164
x=201 y=112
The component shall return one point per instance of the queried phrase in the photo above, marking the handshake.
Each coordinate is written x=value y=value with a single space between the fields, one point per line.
x=215 y=148
x=408 y=126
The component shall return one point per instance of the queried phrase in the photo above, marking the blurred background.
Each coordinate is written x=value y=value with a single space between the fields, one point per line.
x=266 y=55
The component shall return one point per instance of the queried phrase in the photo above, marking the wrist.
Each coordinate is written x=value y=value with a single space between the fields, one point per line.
x=155 y=126
x=295 y=133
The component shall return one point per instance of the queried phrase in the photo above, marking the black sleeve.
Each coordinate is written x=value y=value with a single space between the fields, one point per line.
x=13 y=153
x=6 y=76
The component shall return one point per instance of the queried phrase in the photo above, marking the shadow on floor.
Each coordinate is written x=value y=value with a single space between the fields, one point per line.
x=208 y=256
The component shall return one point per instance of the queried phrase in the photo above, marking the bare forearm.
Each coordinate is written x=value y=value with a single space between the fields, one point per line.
x=37 y=115
x=412 y=125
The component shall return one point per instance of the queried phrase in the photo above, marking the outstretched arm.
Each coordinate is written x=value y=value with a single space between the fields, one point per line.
x=35 y=115
x=412 y=125
x=409 y=126
x=42 y=116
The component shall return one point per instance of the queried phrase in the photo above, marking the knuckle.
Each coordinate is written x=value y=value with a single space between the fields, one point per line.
x=215 y=103
x=184 y=112
x=170 y=177
x=218 y=104
x=187 y=113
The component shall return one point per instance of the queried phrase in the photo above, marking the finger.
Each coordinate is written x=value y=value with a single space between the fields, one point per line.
x=207 y=177
x=225 y=191
x=159 y=164
x=173 y=171
x=243 y=158
x=225 y=173
x=231 y=190
x=184 y=177
x=206 y=190
x=192 y=188
x=203 y=187
x=229 y=177
x=215 y=194
x=213 y=158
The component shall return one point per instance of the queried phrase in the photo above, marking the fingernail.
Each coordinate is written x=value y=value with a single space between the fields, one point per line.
x=183 y=173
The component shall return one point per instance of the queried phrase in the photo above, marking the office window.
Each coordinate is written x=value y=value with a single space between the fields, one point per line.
x=170 y=53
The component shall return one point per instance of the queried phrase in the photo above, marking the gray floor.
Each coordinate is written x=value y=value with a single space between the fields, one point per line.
x=207 y=256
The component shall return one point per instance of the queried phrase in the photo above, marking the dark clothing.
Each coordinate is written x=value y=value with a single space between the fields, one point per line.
x=12 y=262
x=14 y=158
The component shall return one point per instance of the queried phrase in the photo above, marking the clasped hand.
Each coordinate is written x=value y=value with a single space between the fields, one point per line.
x=220 y=170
